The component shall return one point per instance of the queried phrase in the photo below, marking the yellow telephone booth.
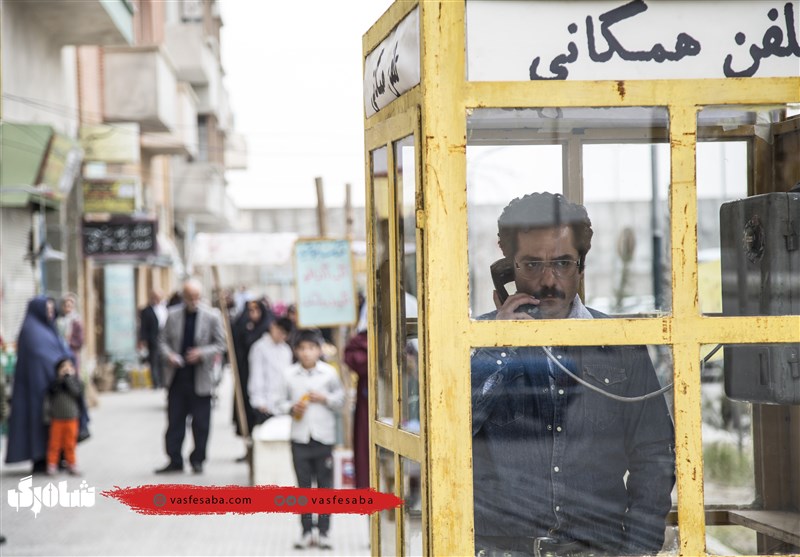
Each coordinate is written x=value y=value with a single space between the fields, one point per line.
x=676 y=126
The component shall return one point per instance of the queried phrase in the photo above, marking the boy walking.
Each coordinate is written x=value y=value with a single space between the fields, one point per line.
x=63 y=408
x=312 y=393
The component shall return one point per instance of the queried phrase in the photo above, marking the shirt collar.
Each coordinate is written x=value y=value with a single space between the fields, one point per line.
x=578 y=310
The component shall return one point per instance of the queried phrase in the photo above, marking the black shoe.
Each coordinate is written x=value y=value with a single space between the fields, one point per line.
x=197 y=468
x=169 y=468
x=242 y=458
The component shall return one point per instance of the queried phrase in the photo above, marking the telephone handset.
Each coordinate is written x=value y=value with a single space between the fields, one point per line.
x=503 y=273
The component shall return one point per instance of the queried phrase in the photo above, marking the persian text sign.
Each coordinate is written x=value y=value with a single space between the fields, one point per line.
x=605 y=39
x=393 y=67
x=325 y=287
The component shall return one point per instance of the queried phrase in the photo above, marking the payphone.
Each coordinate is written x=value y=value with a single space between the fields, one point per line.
x=760 y=239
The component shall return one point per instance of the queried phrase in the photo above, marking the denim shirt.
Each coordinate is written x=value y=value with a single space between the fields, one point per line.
x=550 y=456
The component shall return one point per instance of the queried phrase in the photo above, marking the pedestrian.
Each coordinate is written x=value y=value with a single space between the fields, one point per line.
x=152 y=319
x=62 y=410
x=70 y=327
x=357 y=358
x=39 y=349
x=270 y=356
x=560 y=467
x=190 y=342
x=248 y=328
x=312 y=394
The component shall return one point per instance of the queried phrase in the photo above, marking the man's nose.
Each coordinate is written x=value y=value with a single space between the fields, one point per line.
x=548 y=276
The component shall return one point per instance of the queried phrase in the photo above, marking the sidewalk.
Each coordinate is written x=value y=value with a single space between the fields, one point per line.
x=125 y=448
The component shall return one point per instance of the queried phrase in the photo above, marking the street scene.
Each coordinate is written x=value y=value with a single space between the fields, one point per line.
x=125 y=449
x=526 y=271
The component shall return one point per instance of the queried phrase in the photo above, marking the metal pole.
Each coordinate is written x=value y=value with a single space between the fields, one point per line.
x=237 y=385
x=655 y=227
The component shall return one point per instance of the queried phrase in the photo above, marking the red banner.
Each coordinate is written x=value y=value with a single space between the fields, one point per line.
x=181 y=499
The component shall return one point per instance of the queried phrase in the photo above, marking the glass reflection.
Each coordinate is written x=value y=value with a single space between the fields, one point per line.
x=382 y=252
x=386 y=478
x=615 y=159
x=747 y=262
x=751 y=443
x=412 y=509
x=558 y=462
x=408 y=356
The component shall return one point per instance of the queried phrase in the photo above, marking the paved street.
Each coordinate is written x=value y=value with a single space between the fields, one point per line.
x=126 y=446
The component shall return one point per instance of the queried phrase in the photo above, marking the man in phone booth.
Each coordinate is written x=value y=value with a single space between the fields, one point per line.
x=573 y=446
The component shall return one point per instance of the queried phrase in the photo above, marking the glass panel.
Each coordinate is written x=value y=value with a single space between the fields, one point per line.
x=386 y=476
x=617 y=160
x=382 y=251
x=751 y=443
x=412 y=510
x=405 y=183
x=553 y=457
x=626 y=190
x=748 y=246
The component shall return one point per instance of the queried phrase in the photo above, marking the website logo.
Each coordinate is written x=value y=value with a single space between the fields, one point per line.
x=35 y=498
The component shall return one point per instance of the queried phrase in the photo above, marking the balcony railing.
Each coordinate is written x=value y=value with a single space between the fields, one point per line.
x=199 y=190
x=88 y=22
x=183 y=140
x=140 y=86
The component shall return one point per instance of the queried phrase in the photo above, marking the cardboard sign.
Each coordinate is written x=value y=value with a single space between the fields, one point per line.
x=326 y=293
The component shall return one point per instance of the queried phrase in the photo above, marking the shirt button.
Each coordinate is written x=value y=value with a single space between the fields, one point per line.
x=503 y=354
x=606 y=380
x=556 y=469
x=558 y=428
x=544 y=390
x=558 y=508
x=499 y=362
x=559 y=356
x=549 y=427
x=561 y=391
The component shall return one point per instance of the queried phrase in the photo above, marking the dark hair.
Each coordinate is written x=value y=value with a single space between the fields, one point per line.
x=307 y=335
x=284 y=323
x=61 y=361
x=543 y=210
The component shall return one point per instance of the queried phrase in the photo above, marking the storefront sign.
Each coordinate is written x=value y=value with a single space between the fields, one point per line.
x=600 y=40
x=111 y=143
x=119 y=238
x=393 y=67
x=326 y=293
x=110 y=195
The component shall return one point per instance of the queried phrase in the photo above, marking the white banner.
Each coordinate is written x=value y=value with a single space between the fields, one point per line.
x=605 y=39
x=243 y=248
x=393 y=67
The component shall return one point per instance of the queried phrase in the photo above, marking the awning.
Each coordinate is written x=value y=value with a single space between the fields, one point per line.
x=37 y=166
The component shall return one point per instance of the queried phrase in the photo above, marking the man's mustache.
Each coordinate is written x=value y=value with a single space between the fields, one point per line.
x=549 y=292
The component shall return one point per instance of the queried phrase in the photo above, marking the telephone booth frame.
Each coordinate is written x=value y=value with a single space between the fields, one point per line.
x=433 y=113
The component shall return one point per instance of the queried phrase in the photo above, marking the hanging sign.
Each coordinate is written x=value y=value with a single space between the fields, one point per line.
x=326 y=293
x=110 y=195
x=393 y=67
x=119 y=237
x=639 y=39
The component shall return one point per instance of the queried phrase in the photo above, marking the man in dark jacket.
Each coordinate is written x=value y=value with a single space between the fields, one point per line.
x=560 y=468
x=152 y=319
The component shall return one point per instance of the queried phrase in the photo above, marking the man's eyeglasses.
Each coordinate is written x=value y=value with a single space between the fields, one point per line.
x=562 y=268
